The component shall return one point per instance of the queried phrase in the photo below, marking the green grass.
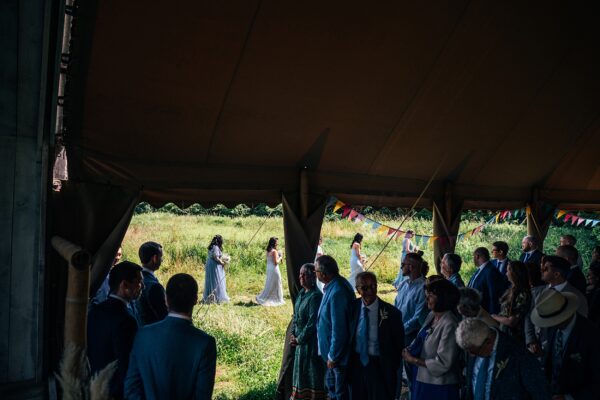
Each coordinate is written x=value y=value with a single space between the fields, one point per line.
x=250 y=337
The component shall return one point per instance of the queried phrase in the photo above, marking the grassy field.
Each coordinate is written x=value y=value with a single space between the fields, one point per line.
x=250 y=337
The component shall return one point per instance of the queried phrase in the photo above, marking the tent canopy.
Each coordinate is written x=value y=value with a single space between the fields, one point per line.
x=225 y=101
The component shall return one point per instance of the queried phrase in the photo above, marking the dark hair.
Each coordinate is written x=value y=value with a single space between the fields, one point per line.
x=454 y=261
x=357 y=239
x=123 y=271
x=571 y=239
x=482 y=252
x=447 y=294
x=534 y=272
x=271 y=244
x=328 y=265
x=217 y=240
x=366 y=274
x=433 y=278
x=470 y=299
x=149 y=250
x=569 y=252
x=424 y=268
x=559 y=264
x=182 y=293
x=521 y=284
x=502 y=246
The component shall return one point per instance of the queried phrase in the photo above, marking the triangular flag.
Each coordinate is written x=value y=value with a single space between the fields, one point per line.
x=497 y=217
x=574 y=219
x=527 y=210
x=375 y=225
x=346 y=211
x=418 y=239
x=338 y=205
x=382 y=229
x=504 y=214
x=596 y=222
x=581 y=221
x=568 y=217
x=425 y=240
x=432 y=239
x=588 y=222
x=353 y=214
x=391 y=231
x=359 y=218
x=459 y=238
x=560 y=213
x=491 y=220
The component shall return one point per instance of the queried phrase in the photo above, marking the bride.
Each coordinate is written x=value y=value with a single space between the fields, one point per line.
x=272 y=294
x=356 y=259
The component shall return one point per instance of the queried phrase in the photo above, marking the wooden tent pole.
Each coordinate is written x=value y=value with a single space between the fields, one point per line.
x=76 y=301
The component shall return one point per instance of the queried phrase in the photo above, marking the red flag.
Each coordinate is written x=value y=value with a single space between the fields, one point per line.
x=568 y=217
x=346 y=211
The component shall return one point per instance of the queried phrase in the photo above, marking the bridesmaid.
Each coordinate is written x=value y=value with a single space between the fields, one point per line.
x=215 y=290
x=272 y=294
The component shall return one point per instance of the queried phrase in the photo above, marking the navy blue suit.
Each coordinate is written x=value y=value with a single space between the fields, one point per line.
x=534 y=258
x=504 y=267
x=171 y=359
x=517 y=374
x=491 y=284
x=110 y=334
x=151 y=307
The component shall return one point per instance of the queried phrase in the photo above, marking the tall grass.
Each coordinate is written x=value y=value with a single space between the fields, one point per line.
x=249 y=337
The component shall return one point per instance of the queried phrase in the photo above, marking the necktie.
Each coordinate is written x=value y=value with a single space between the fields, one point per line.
x=363 y=337
x=526 y=258
x=557 y=355
x=481 y=380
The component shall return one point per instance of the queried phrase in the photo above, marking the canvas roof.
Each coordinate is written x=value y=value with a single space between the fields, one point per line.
x=225 y=101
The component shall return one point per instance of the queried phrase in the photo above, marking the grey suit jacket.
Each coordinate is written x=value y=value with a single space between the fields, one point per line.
x=440 y=352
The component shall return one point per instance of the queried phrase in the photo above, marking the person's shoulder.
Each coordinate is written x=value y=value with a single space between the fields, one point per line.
x=388 y=307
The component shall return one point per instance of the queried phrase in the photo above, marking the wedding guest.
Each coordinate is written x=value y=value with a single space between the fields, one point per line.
x=515 y=303
x=498 y=368
x=570 y=240
x=151 y=307
x=571 y=357
x=377 y=343
x=554 y=272
x=333 y=326
x=111 y=326
x=407 y=247
x=537 y=285
x=593 y=292
x=487 y=280
x=500 y=256
x=450 y=267
x=531 y=254
x=469 y=306
x=104 y=289
x=434 y=352
x=575 y=276
x=215 y=286
x=172 y=359
x=356 y=259
x=309 y=368
x=272 y=293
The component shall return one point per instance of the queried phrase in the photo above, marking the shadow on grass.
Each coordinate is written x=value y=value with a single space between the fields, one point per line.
x=266 y=392
x=246 y=304
x=387 y=291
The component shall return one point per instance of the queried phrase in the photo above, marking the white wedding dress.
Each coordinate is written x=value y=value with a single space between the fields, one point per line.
x=272 y=294
x=356 y=267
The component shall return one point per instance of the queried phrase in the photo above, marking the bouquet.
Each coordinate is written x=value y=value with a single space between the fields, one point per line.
x=226 y=258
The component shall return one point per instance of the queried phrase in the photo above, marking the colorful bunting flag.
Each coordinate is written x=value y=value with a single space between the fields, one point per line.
x=596 y=222
x=581 y=220
x=352 y=215
x=560 y=213
x=346 y=211
x=568 y=217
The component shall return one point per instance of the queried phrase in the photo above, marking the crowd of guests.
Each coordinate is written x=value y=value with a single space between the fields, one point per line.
x=518 y=329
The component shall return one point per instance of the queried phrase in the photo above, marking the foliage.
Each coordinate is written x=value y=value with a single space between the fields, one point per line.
x=249 y=337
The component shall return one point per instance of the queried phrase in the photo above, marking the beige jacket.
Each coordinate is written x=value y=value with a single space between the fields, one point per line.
x=440 y=352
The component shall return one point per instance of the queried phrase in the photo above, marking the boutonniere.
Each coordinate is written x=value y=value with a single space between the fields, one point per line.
x=383 y=315
x=576 y=357
x=500 y=366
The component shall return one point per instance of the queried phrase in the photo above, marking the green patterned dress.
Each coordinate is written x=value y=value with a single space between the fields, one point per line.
x=309 y=367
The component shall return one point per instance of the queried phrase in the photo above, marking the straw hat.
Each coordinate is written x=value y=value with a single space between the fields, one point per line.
x=553 y=307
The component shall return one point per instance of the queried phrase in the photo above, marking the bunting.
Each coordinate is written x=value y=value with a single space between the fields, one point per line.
x=428 y=240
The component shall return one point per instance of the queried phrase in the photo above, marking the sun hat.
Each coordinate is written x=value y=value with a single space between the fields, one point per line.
x=553 y=307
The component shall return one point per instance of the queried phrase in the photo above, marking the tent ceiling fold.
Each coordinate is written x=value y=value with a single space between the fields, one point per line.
x=204 y=99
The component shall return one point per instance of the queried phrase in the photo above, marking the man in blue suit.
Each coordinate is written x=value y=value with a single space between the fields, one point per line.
x=111 y=327
x=487 y=280
x=151 y=306
x=172 y=359
x=498 y=367
x=334 y=325
x=500 y=253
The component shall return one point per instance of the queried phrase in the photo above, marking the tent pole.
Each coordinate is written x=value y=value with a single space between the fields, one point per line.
x=445 y=224
x=539 y=218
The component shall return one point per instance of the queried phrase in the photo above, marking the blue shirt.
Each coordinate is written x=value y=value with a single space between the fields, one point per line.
x=477 y=366
x=410 y=300
x=456 y=280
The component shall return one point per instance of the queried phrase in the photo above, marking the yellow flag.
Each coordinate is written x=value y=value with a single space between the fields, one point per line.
x=432 y=239
x=338 y=205
x=383 y=229
x=560 y=213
